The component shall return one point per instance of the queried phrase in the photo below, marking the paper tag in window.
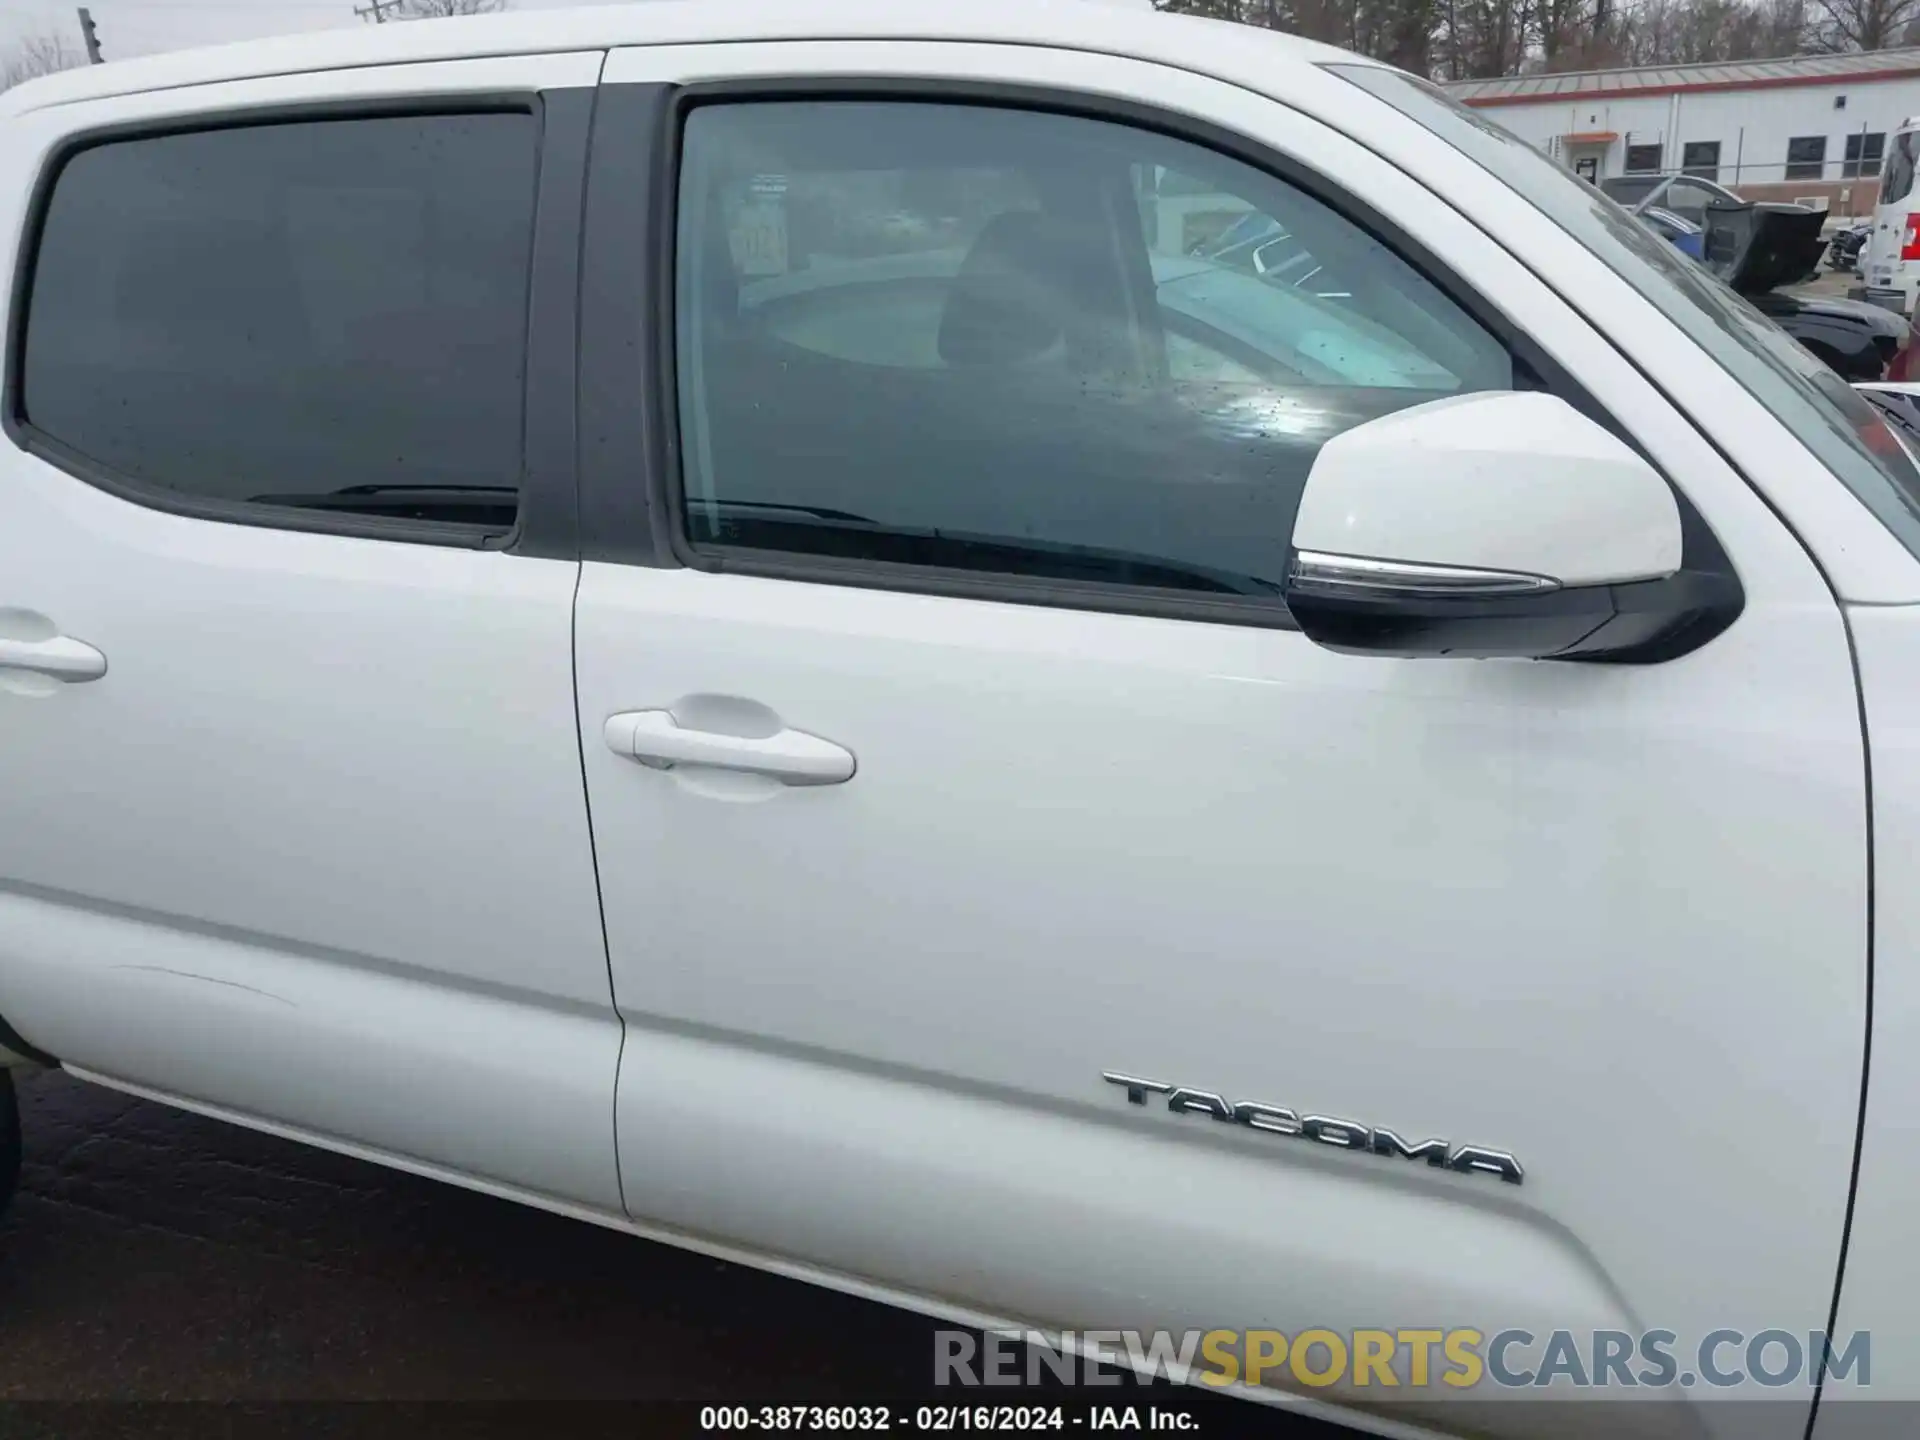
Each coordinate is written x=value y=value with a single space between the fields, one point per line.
x=760 y=240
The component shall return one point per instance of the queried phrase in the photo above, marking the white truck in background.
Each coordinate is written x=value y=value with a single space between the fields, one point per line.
x=1890 y=260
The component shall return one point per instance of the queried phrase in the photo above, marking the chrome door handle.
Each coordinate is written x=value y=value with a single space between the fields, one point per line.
x=61 y=657
x=655 y=738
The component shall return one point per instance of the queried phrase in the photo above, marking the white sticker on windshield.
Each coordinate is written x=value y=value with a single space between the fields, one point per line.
x=759 y=239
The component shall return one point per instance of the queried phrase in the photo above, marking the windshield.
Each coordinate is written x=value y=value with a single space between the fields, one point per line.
x=1668 y=224
x=1824 y=413
x=1628 y=189
x=1309 y=334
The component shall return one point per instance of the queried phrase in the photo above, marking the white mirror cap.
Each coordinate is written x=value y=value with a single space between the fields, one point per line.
x=1515 y=481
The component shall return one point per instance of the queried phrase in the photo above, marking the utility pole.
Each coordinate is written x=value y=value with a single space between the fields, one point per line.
x=377 y=9
x=86 y=33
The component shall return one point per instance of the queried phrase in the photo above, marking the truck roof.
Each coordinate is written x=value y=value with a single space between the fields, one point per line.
x=1208 y=46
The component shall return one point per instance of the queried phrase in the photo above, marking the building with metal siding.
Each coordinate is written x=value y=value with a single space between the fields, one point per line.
x=1811 y=128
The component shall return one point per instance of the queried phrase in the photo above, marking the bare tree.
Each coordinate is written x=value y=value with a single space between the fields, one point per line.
x=1240 y=10
x=1479 y=39
x=444 y=9
x=1685 y=32
x=1453 y=38
x=1484 y=38
x=34 y=56
x=1862 y=24
x=1572 y=34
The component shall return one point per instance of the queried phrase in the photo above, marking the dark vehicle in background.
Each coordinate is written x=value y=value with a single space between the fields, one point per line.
x=1687 y=196
x=1843 y=251
x=1756 y=248
x=1860 y=340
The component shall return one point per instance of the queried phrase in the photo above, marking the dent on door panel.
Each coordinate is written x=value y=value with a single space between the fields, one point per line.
x=487 y=1084
x=314 y=849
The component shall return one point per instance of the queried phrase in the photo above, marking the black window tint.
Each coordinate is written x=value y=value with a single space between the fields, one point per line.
x=1806 y=157
x=329 y=315
x=1643 y=158
x=1028 y=344
x=1702 y=158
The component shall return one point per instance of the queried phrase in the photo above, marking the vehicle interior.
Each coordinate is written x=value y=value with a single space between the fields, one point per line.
x=836 y=408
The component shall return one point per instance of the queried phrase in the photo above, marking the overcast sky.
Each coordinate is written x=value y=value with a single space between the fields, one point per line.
x=143 y=27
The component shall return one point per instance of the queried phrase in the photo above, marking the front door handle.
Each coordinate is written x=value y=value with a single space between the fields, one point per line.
x=61 y=657
x=654 y=737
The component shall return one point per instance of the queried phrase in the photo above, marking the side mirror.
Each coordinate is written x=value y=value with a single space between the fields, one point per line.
x=1497 y=524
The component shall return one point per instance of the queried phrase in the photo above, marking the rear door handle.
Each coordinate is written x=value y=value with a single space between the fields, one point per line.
x=654 y=737
x=61 y=657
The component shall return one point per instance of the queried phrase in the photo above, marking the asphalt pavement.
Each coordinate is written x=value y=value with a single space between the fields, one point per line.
x=153 y=1254
x=1835 y=283
x=157 y=1256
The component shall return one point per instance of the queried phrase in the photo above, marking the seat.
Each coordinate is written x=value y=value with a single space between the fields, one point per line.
x=1010 y=301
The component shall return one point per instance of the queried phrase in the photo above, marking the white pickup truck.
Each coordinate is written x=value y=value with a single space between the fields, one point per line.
x=748 y=622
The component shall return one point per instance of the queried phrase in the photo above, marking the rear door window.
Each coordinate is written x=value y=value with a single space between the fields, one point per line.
x=325 y=316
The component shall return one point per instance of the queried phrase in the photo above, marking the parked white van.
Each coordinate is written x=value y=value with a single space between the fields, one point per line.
x=1892 y=258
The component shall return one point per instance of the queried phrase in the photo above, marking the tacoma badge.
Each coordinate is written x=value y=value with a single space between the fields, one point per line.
x=1341 y=1134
